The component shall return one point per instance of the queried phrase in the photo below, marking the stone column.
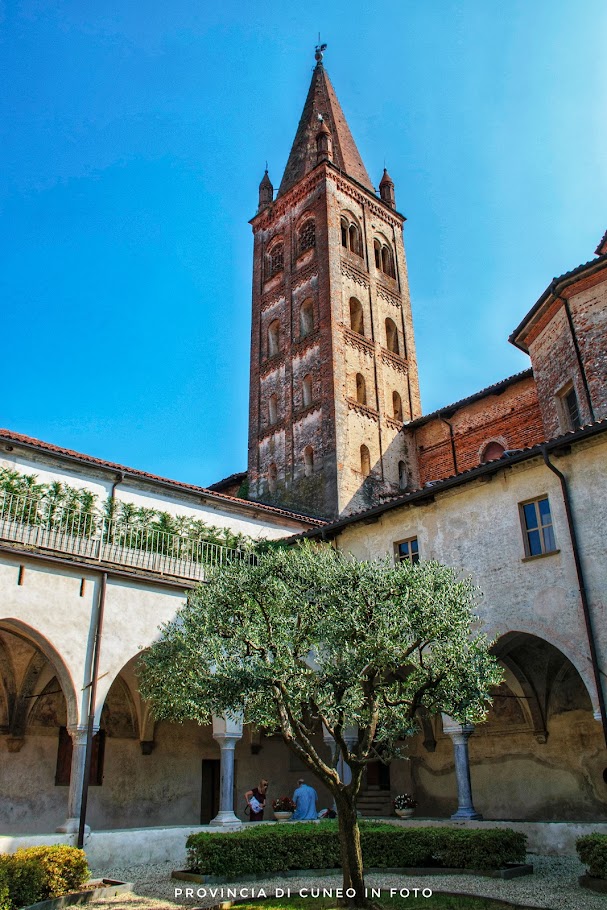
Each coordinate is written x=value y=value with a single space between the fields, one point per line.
x=460 y=734
x=350 y=735
x=227 y=731
x=74 y=799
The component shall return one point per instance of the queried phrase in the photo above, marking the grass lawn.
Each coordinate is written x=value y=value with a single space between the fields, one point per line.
x=436 y=902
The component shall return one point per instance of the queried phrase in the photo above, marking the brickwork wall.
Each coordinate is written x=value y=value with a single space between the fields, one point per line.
x=332 y=355
x=512 y=418
x=554 y=358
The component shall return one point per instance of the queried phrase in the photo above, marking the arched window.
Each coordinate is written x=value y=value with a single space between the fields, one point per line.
x=344 y=233
x=392 y=336
x=357 y=322
x=272 y=476
x=272 y=409
x=365 y=461
x=397 y=406
x=377 y=253
x=306 y=318
x=273 y=338
x=387 y=263
x=350 y=236
x=306 y=238
x=492 y=451
x=402 y=475
x=306 y=391
x=276 y=259
x=308 y=460
x=361 y=389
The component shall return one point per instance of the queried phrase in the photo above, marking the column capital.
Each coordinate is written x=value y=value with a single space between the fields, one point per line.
x=226 y=742
x=79 y=733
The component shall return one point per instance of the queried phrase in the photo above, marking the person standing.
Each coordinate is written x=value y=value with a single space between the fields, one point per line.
x=305 y=798
x=256 y=801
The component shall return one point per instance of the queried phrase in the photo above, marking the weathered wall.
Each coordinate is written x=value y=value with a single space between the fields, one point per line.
x=512 y=418
x=476 y=528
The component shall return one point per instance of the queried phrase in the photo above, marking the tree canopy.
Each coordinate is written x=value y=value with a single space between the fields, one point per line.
x=305 y=636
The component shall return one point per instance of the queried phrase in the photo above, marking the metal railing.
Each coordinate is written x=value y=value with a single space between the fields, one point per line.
x=41 y=525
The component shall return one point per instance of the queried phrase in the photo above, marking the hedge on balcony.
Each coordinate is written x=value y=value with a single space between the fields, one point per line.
x=592 y=850
x=268 y=849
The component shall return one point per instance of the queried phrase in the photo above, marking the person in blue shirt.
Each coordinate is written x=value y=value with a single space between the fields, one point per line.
x=305 y=801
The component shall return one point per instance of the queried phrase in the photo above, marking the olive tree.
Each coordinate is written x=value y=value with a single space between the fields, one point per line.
x=305 y=637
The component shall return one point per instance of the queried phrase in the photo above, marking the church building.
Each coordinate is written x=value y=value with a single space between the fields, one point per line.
x=508 y=485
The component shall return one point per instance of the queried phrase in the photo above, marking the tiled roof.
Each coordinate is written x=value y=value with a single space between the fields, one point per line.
x=18 y=438
x=322 y=102
x=229 y=481
x=330 y=529
x=490 y=390
x=602 y=247
x=593 y=264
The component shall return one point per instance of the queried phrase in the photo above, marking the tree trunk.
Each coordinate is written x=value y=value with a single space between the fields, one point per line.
x=351 y=853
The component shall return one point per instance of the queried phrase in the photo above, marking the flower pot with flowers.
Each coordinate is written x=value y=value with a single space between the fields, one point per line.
x=283 y=807
x=404 y=805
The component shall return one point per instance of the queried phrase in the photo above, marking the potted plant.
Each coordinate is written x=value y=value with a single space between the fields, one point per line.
x=283 y=807
x=404 y=805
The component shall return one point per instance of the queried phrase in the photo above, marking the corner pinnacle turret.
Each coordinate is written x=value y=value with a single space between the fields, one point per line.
x=322 y=107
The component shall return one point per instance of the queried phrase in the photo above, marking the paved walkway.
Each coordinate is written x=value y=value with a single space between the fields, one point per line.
x=554 y=885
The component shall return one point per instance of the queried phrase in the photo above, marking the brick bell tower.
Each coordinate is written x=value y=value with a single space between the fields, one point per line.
x=333 y=366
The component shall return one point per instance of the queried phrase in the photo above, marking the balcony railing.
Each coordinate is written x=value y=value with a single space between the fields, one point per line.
x=40 y=525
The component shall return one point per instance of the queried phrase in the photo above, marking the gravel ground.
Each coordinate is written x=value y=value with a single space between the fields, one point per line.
x=553 y=885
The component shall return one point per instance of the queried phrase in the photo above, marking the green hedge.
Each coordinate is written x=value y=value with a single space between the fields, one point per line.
x=39 y=873
x=592 y=850
x=265 y=849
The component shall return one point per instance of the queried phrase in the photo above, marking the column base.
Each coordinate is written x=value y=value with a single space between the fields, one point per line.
x=467 y=815
x=72 y=826
x=225 y=818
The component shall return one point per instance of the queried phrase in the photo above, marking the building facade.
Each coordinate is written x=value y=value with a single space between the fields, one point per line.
x=507 y=485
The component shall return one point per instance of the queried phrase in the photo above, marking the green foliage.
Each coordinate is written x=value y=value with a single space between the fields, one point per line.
x=5 y=901
x=25 y=878
x=267 y=849
x=39 y=873
x=65 y=868
x=592 y=850
x=385 y=641
x=132 y=526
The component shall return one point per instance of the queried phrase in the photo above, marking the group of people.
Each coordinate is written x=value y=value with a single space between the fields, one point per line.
x=304 y=797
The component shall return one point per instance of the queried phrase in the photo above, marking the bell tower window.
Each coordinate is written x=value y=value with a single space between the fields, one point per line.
x=273 y=338
x=307 y=236
x=308 y=461
x=306 y=391
x=272 y=409
x=357 y=322
x=361 y=389
x=276 y=259
x=392 y=336
x=397 y=406
x=306 y=318
x=365 y=461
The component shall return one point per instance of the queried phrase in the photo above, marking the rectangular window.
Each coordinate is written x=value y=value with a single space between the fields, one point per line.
x=537 y=527
x=568 y=408
x=407 y=550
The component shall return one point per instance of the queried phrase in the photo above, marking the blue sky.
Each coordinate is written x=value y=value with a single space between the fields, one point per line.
x=132 y=140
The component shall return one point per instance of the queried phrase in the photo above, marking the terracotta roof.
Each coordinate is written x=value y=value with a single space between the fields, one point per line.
x=229 y=481
x=494 y=389
x=322 y=103
x=331 y=529
x=556 y=285
x=9 y=436
x=602 y=247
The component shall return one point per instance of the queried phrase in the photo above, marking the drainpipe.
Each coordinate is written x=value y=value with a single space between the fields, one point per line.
x=452 y=441
x=91 y=718
x=582 y=589
x=578 y=355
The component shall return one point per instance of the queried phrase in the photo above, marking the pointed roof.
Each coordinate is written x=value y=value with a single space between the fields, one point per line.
x=322 y=103
x=602 y=247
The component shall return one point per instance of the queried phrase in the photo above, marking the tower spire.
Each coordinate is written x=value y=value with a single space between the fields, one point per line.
x=322 y=106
